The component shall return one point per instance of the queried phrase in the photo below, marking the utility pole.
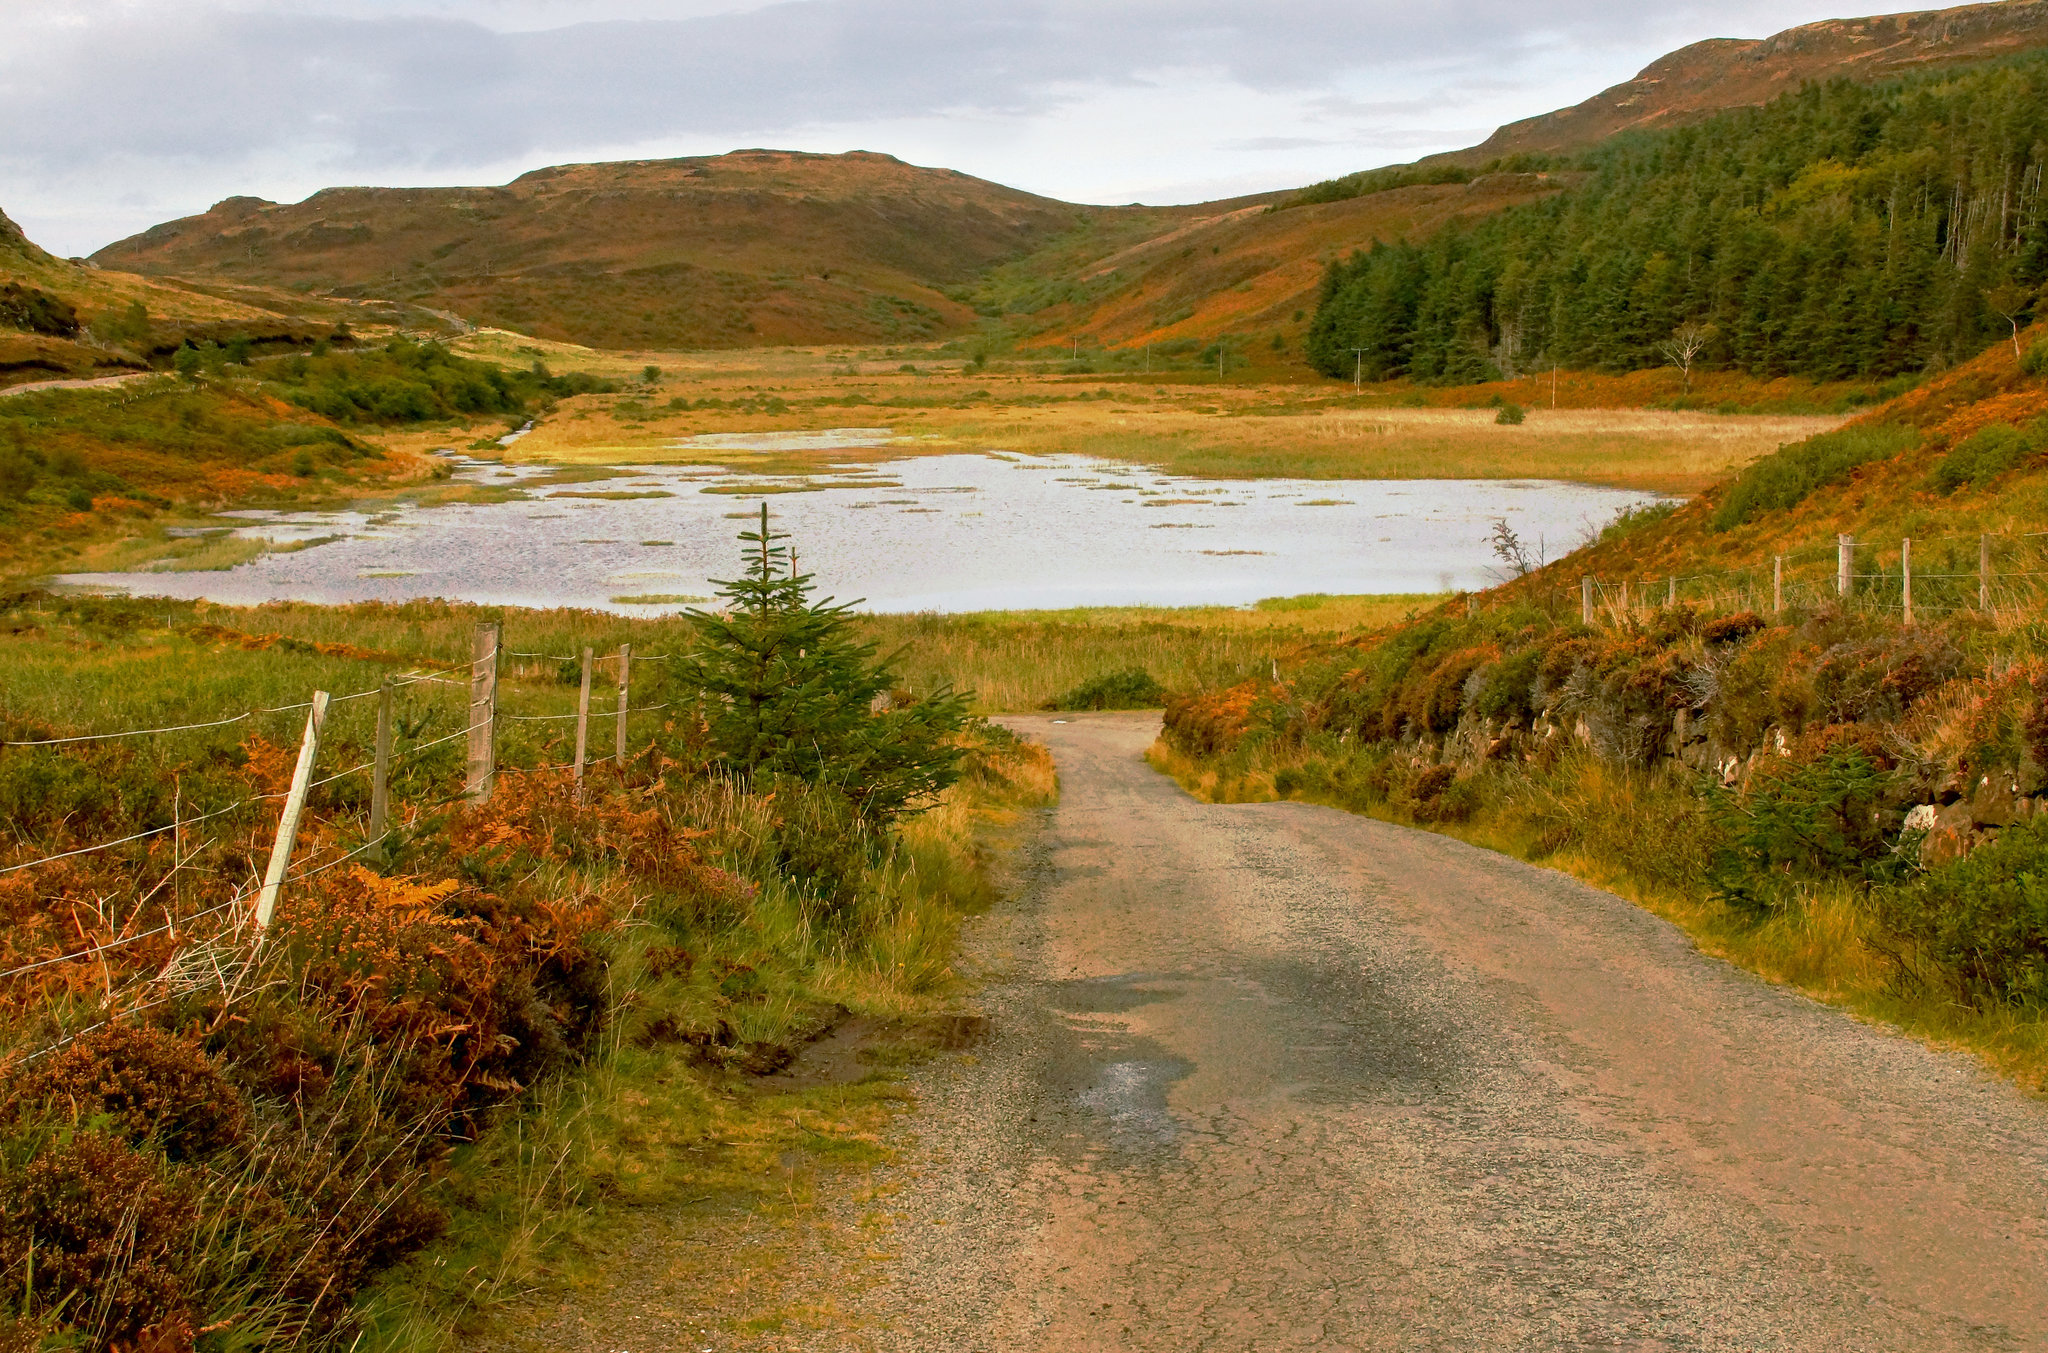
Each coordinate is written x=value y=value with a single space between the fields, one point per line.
x=1358 y=371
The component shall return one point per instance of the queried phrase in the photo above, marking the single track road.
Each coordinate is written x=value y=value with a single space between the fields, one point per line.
x=1273 y=1076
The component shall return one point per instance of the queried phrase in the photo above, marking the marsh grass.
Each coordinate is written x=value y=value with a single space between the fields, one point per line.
x=1232 y=431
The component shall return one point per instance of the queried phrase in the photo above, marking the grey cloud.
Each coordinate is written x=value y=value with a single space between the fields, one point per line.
x=428 y=91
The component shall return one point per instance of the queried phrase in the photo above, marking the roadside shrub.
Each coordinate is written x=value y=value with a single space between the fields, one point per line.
x=93 y=1229
x=1729 y=629
x=1803 y=820
x=145 y=1084
x=1132 y=688
x=1510 y=415
x=1983 y=919
x=1783 y=479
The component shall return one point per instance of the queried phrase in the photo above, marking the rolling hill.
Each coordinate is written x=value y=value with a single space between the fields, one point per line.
x=764 y=247
x=754 y=247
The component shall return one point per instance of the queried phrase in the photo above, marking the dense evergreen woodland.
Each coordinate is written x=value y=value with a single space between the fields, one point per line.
x=1843 y=231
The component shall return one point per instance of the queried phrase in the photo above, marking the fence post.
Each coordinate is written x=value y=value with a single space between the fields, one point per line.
x=1621 y=611
x=288 y=821
x=483 y=712
x=1906 y=578
x=1586 y=601
x=1670 y=593
x=1984 y=574
x=583 y=723
x=625 y=696
x=1845 y=561
x=380 y=766
x=1777 y=584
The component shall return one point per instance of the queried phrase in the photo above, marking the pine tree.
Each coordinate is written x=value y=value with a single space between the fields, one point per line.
x=792 y=693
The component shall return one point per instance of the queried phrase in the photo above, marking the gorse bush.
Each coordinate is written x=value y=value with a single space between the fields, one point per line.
x=1785 y=478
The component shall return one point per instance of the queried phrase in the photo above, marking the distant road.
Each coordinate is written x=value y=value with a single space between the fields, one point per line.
x=92 y=383
x=1276 y=1077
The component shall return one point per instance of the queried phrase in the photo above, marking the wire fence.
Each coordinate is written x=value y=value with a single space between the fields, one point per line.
x=1999 y=577
x=247 y=912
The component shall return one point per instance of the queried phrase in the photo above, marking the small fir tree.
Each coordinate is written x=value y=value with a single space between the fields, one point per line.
x=791 y=692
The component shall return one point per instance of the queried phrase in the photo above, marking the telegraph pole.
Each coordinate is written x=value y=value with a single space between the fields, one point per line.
x=1358 y=370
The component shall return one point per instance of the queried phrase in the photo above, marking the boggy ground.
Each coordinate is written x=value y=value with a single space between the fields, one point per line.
x=1272 y=1076
x=1254 y=423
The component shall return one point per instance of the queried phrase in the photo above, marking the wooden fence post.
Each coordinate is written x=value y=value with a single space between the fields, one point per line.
x=625 y=696
x=1777 y=584
x=1906 y=578
x=1586 y=601
x=583 y=723
x=1621 y=611
x=1670 y=593
x=380 y=766
x=1845 y=562
x=288 y=821
x=483 y=712
x=1984 y=574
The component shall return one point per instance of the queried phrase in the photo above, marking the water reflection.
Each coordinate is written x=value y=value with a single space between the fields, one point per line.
x=941 y=533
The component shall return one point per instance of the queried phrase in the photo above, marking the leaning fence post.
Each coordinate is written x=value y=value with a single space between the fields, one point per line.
x=380 y=766
x=1984 y=574
x=1906 y=579
x=483 y=712
x=1586 y=601
x=1845 y=559
x=583 y=723
x=1777 y=584
x=625 y=695
x=288 y=821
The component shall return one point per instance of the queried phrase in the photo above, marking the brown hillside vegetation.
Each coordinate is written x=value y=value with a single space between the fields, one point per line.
x=1252 y=273
x=1722 y=73
x=61 y=319
x=756 y=247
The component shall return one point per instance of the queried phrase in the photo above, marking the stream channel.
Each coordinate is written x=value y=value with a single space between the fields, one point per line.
x=965 y=532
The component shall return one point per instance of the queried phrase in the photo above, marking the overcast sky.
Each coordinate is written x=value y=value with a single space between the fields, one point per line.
x=118 y=114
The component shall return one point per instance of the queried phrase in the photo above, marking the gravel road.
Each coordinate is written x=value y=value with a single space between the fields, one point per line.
x=1272 y=1076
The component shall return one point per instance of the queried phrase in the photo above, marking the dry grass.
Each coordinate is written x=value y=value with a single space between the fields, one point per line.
x=1019 y=660
x=1215 y=430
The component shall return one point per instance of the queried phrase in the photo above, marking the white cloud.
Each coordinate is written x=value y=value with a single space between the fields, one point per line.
x=121 y=113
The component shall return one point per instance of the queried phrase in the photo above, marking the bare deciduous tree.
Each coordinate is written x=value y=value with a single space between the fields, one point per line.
x=2008 y=301
x=1683 y=347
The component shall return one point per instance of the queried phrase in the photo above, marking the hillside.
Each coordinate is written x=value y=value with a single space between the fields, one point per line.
x=757 y=247
x=1722 y=73
x=62 y=319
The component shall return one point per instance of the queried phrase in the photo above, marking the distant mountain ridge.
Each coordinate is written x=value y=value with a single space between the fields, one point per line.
x=763 y=247
x=1722 y=73
x=756 y=246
